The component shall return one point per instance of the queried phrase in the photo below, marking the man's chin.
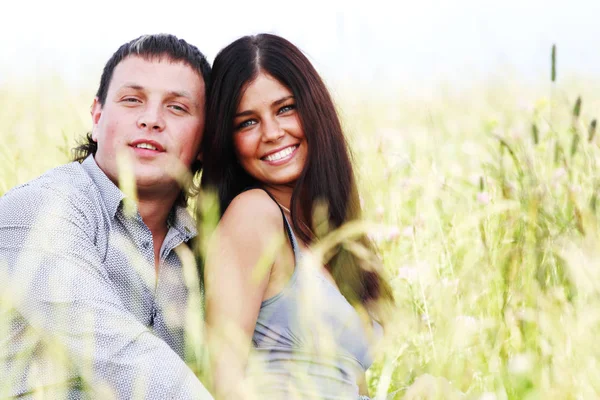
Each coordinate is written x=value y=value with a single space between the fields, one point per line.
x=155 y=183
x=164 y=186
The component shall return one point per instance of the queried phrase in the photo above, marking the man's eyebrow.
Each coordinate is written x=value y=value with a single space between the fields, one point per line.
x=275 y=103
x=131 y=86
x=172 y=93
x=180 y=93
x=186 y=95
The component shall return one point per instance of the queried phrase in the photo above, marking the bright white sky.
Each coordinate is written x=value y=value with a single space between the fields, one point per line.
x=368 y=42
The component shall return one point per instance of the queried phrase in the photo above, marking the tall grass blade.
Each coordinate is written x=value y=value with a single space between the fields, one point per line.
x=577 y=108
x=553 y=73
x=574 y=143
x=592 y=130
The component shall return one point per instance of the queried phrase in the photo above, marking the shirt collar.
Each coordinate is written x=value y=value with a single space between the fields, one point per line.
x=180 y=218
x=109 y=192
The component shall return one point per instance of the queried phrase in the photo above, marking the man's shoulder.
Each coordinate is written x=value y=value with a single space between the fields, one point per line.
x=68 y=186
x=65 y=179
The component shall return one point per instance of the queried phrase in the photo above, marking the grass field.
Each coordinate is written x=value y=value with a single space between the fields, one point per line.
x=490 y=195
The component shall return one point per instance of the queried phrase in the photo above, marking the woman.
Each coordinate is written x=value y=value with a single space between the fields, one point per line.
x=273 y=151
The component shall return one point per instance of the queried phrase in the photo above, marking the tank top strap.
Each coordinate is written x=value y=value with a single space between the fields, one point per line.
x=291 y=236
x=287 y=226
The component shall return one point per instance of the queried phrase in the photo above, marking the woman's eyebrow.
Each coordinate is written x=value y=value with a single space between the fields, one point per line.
x=275 y=103
x=283 y=99
x=243 y=113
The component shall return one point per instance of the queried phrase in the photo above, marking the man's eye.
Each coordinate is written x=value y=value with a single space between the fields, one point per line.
x=131 y=100
x=178 y=108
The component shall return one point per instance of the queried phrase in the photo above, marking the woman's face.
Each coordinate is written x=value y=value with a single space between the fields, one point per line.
x=268 y=137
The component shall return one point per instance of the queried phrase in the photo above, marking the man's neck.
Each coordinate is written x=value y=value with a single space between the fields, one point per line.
x=155 y=211
x=155 y=214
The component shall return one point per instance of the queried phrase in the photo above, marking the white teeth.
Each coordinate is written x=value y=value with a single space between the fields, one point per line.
x=145 y=146
x=281 y=154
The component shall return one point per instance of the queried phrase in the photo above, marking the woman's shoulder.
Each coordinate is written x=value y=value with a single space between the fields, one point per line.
x=256 y=208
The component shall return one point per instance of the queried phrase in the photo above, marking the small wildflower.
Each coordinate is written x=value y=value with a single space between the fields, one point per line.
x=474 y=179
x=575 y=188
x=449 y=282
x=520 y=364
x=393 y=233
x=455 y=169
x=387 y=172
x=419 y=222
x=541 y=104
x=483 y=198
x=441 y=180
x=559 y=173
x=404 y=183
x=467 y=321
x=516 y=132
x=525 y=105
x=426 y=318
x=388 y=235
x=409 y=274
x=469 y=148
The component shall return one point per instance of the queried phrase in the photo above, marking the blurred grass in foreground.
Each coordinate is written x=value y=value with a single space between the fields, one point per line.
x=491 y=193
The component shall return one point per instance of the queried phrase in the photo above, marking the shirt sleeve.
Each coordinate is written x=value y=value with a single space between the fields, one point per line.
x=56 y=283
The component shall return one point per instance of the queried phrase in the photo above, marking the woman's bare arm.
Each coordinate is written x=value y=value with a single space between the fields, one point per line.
x=234 y=289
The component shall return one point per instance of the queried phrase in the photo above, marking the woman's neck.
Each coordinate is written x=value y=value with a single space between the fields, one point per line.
x=282 y=195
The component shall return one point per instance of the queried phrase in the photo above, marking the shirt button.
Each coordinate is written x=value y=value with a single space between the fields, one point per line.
x=153 y=314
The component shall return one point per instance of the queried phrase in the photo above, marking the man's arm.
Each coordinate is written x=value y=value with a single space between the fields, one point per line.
x=59 y=286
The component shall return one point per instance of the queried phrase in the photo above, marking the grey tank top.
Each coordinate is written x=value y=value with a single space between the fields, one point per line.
x=309 y=342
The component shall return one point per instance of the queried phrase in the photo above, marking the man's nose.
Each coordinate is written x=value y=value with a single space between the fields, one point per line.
x=152 y=118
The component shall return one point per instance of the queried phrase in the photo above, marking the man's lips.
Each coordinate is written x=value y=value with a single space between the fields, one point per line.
x=146 y=144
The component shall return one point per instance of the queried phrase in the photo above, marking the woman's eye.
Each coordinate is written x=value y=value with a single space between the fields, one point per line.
x=246 y=124
x=287 y=108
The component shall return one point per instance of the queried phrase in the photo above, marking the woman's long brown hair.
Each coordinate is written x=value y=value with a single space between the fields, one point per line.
x=327 y=178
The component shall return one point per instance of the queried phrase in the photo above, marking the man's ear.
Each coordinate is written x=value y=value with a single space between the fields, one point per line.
x=96 y=112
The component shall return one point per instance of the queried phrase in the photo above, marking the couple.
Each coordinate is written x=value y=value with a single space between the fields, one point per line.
x=95 y=300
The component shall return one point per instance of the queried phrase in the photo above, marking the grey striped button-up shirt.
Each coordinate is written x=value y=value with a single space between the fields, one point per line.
x=81 y=309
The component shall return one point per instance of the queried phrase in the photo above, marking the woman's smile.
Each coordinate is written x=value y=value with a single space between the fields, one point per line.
x=280 y=157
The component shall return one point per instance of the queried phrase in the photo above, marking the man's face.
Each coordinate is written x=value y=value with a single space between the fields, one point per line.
x=154 y=116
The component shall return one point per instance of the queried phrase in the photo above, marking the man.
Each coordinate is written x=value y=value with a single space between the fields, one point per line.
x=92 y=292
